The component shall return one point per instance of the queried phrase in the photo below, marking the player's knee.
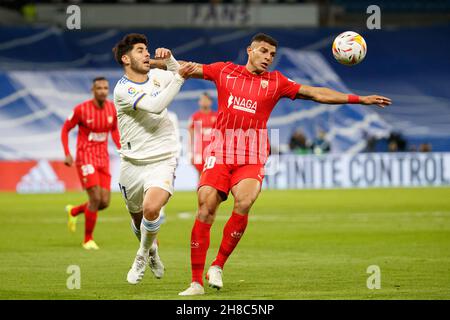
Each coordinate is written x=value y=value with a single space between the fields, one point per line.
x=208 y=202
x=151 y=211
x=206 y=211
x=95 y=201
x=243 y=205
x=104 y=203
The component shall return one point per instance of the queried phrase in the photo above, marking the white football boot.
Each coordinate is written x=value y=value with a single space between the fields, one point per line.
x=194 y=289
x=214 y=276
x=137 y=270
x=155 y=264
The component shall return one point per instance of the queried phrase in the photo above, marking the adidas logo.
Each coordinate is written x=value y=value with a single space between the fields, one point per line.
x=236 y=234
x=40 y=179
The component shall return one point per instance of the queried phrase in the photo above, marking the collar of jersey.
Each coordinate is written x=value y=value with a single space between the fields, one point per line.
x=148 y=78
x=253 y=74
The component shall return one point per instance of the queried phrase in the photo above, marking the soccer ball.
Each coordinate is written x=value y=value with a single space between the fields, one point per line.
x=349 y=48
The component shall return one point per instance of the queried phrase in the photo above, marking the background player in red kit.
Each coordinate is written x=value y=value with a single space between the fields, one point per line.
x=95 y=119
x=239 y=146
x=200 y=125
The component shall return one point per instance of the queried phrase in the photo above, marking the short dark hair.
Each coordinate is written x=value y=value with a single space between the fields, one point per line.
x=266 y=38
x=206 y=94
x=98 y=79
x=126 y=45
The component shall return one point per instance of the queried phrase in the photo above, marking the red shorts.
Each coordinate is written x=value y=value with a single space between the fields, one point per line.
x=224 y=176
x=91 y=176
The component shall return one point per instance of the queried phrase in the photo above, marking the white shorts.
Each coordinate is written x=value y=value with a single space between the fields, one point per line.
x=135 y=179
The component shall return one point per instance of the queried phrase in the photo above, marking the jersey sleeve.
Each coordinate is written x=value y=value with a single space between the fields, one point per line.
x=68 y=125
x=212 y=71
x=125 y=99
x=287 y=88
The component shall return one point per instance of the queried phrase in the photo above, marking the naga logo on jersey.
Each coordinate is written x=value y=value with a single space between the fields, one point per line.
x=98 y=136
x=156 y=83
x=131 y=90
x=242 y=104
x=264 y=83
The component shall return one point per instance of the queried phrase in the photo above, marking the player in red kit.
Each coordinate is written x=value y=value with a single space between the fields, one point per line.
x=239 y=147
x=95 y=119
x=200 y=125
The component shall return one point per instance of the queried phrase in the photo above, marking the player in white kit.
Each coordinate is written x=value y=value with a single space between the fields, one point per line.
x=148 y=140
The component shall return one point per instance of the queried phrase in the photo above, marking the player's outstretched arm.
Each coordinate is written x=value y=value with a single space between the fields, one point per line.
x=197 y=72
x=157 y=104
x=330 y=96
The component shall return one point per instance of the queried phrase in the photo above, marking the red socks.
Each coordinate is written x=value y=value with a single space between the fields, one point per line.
x=78 y=209
x=200 y=237
x=89 y=223
x=232 y=233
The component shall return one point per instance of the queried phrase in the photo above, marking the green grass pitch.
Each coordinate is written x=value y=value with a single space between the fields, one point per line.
x=302 y=244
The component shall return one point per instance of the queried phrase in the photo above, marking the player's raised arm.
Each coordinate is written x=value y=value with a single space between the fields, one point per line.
x=165 y=60
x=330 y=96
x=165 y=55
x=157 y=104
x=158 y=64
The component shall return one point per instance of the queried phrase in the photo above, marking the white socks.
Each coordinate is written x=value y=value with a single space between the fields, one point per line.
x=149 y=230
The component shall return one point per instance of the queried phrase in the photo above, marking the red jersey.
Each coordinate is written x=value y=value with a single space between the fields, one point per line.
x=94 y=124
x=245 y=102
x=202 y=130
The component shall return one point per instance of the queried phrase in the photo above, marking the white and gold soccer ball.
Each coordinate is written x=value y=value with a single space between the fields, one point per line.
x=349 y=48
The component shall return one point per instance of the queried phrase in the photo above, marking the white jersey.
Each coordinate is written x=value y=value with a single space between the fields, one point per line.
x=174 y=118
x=146 y=137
